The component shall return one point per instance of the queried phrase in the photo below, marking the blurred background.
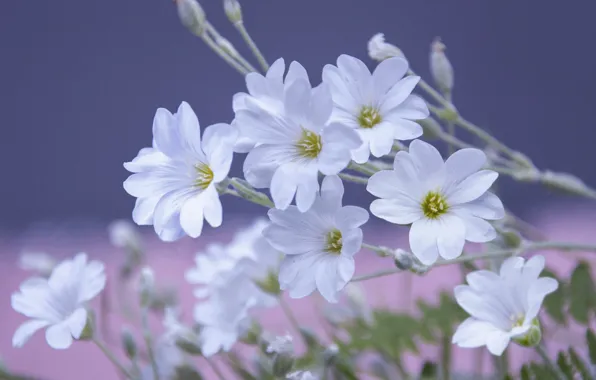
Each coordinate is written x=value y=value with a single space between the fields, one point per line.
x=80 y=82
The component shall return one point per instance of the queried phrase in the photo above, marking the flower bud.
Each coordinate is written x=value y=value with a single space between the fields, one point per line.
x=233 y=10
x=187 y=372
x=511 y=239
x=380 y=50
x=532 y=337
x=330 y=354
x=357 y=302
x=431 y=129
x=147 y=286
x=449 y=114
x=403 y=259
x=191 y=15
x=128 y=342
x=123 y=234
x=270 y=284
x=440 y=67
x=39 y=262
x=226 y=46
x=253 y=334
x=281 y=347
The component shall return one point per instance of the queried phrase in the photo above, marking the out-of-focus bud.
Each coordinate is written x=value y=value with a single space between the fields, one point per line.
x=252 y=336
x=191 y=15
x=357 y=302
x=147 y=286
x=226 y=46
x=186 y=372
x=440 y=67
x=233 y=10
x=128 y=342
x=431 y=128
x=404 y=260
x=124 y=234
x=532 y=337
x=448 y=114
x=301 y=375
x=39 y=262
x=270 y=284
x=330 y=354
x=380 y=50
x=309 y=337
x=89 y=329
x=511 y=238
x=282 y=349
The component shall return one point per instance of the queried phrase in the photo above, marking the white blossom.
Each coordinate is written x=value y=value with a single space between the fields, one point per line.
x=281 y=345
x=59 y=302
x=319 y=244
x=379 y=106
x=301 y=375
x=503 y=306
x=440 y=67
x=296 y=145
x=380 y=50
x=176 y=180
x=445 y=202
x=39 y=262
x=124 y=234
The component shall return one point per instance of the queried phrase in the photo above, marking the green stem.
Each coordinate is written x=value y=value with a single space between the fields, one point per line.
x=222 y=54
x=353 y=178
x=381 y=251
x=149 y=341
x=215 y=368
x=110 y=355
x=446 y=357
x=252 y=45
x=237 y=56
x=550 y=364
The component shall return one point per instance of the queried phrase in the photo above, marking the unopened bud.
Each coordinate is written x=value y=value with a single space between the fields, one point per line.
x=449 y=114
x=39 y=262
x=330 y=354
x=233 y=10
x=253 y=334
x=192 y=16
x=270 y=284
x=147 y=286
x=380 y=50
x=187 y=372
x=226 y=46
x=431 y=129
x=124 y=234
x=128 y=342
x=282 y=365
x=301 y=375
x=511 y=239
x=403 y=259
x=440 y=67
x=532 y=337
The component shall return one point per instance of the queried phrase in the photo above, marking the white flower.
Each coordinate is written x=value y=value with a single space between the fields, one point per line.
x=503 y=306
x=39 y=262
x=168 y=358
x=176 y=180
x=266 y=92
x=380 y=50
x=446 y=202
x=440 y=67
x=301 y=375
x=58 y=302
x=295 y=145
x=124 y=234
x=319 y=244
x=378 y=105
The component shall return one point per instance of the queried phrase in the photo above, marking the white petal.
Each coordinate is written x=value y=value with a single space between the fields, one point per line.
x=452 y=237
x=284 y=185
x=423 y=241
x=276 y=70
x=77 y=322
x=481 y=307
x=238 y=101
x=58 y=336
x=533 y=267
x=352 y=242
x=398 y=210
x=296 y=72
x=95 y=281
x=398 y=93
x=406 y=129
x=472 y=187
x=289 y=242
x=167 y=211
x=327 y=278
x=321 y=104
x=511 y=266
x=189 y=129
x=388 y=73
x=487 y=206
x=472 y=333
x=389 y=184
x=497 y=342
x=426 y=157
x=297 y=98
x=349 y=217
x=345 y=271
x=361 y=154
x=146 y=161
x=464 y=163
x=212 y=211
x=354 y=68
x=256 y=84
x=261 y=163
x=218 y=143
x=381 y=141
x=307 y=192
x=165 y=133
x=536 y=294
x=26 y=330
x=338 y=141
x=142 y=213
x=477 y=230
x=191 y=215
x=483 y=280
x=413 y=108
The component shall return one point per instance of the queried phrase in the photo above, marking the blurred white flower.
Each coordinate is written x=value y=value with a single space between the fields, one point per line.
x=39 y=262
x=380 y=50
x=266 y=92
x=168 y=357
x=379 y=106
x=440 y=67
x=124 y=234
x=296 y=145
x=176 y=181
x=58 y=302
x=503 y=306
x=446 y=202
x=301 y=375
x=319 y=244
x=281 y=345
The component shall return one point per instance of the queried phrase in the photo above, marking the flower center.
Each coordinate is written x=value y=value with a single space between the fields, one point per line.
x=309 y=145
x=368 y=117
x=434 y=205
x=517 y=320
x=333 y=242
x=204 y=176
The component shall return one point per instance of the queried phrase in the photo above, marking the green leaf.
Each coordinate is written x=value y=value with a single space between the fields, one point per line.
x=429 y=371
x=581 y=293
x=554 y=303
x=579 y=364
x=541 y=372
x=591 y=338
x=525 y=373
x=565 y=366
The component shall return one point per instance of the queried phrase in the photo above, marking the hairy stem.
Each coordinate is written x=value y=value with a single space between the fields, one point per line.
x=110 y=355
x=149 y=341
x=252 y=45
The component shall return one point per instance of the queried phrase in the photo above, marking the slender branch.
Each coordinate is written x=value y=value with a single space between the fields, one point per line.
x=110 y=355
x=552 y=366
x=252 y=45
x=215 y=368
x=222 y=54
x=149 y=341
x=211 y=29
x=354 y=178
x=290 y=315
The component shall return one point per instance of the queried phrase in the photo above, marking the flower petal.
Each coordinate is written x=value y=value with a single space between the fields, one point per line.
x=352 y=242
x=452 y=237
x=349 y=217
x=388 y=73
x=472 y=187
x=284 y=185
x=165 y=133
x=398 y=210
x=423 y=241
x=191 y=215
x=477 y=230
x=58 y=336
x=426 y=157
x=26 y=330
x=487 y=206
x=77 y=322
x=297 y=98
x=276 y=70
x=413 y=108
x=212 y=210
x=398 y=94
x=472 y=333
x=497 y=342
x=464 y=163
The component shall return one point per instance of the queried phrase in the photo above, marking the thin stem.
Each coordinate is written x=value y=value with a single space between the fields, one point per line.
x=209 y=28
x=451 y=132
x=446 y=357
x=290 y=315
x=382 y=273
x=243 y=190
x=353 y=178
x=550 y=364
x=222 y=54
x=252 y=45
x=381 y=251
x=110 y=355
x=149 y=341
x=215 y=368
